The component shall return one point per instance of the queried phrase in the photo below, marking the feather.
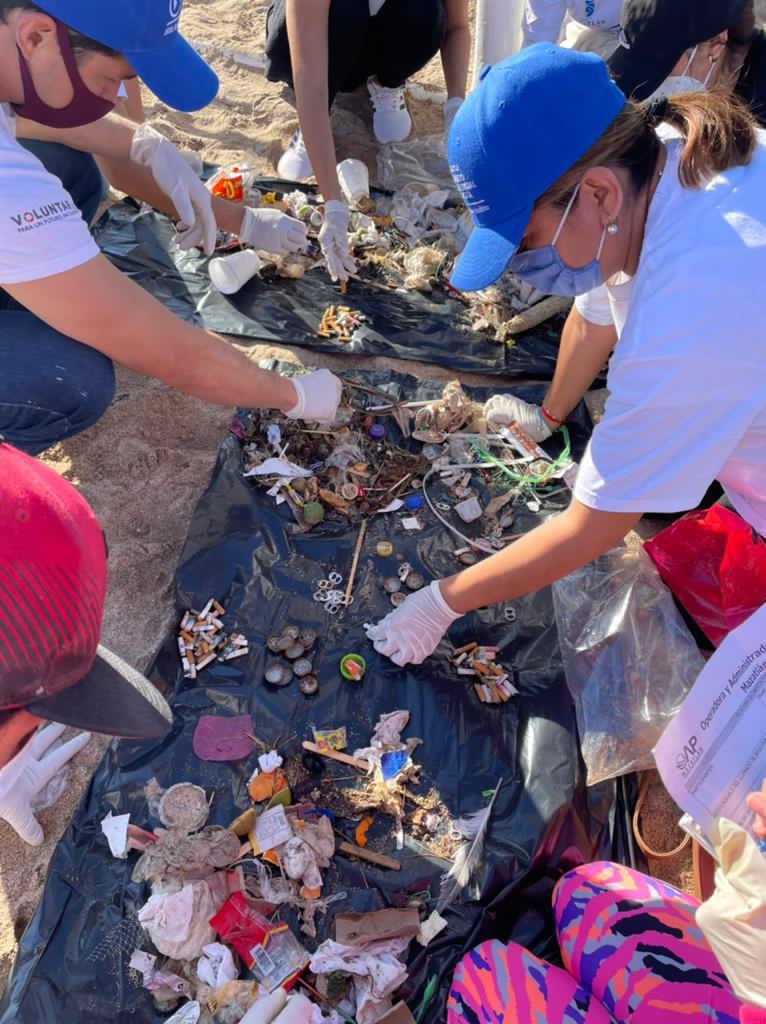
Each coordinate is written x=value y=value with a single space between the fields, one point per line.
x=474 y=828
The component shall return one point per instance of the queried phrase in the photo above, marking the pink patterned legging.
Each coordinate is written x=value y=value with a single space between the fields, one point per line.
x=633 y=955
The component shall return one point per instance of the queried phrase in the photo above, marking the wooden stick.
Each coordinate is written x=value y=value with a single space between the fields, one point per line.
x=379 y=859
x=355 y=561
x=336 y=755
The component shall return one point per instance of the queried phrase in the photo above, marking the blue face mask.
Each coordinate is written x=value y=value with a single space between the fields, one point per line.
x=545 y=270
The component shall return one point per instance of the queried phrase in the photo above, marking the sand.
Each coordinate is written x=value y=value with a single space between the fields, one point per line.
x=145 y=464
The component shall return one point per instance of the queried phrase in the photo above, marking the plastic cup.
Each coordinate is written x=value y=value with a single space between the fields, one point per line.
x=230 y=273
x=354 y=180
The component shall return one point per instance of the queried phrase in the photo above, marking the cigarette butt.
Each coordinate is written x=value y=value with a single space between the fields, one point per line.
x=481 y=668
x=192 y=671
x=479 y=692
x=216 y=622
x=206 y=661
x=185 y=664
x=219 y=608
x=235 y=654
x=466 y=648
x=206 y=610
x=466 y=672
x=487 y=693
x=460 y=659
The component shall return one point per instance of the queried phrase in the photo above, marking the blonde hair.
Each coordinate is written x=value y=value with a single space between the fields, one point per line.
x=717 y=129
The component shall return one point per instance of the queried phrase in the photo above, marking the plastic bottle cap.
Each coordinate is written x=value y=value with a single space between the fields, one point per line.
x=377 y=432
x=413 y=502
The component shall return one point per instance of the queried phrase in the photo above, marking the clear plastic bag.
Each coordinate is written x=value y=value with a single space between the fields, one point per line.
x=420 y=161
x=628 y=657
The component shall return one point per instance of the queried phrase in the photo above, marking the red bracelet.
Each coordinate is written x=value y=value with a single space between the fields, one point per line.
x=551 y=417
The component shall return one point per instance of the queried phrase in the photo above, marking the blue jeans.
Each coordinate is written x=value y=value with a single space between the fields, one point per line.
x=51 y=386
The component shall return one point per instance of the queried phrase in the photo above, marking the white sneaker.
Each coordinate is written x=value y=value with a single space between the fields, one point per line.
x=294 y=164
x=391 y=120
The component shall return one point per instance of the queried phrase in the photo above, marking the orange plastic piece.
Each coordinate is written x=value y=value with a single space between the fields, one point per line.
x=310 y=894
x=360 y=833
x=266 y=785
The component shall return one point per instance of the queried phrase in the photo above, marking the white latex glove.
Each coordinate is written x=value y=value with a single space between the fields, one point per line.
x=318 y=397
x=451 y=108
x=500 y=410
x=28 y=773
x=410 y=633
x=273 y=231
x=734 y=918
x=192 y=201
x=333 y=237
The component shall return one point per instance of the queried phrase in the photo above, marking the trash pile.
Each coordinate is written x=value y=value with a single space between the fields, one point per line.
x=449 y=460
x=230 y=924
x=407 y=239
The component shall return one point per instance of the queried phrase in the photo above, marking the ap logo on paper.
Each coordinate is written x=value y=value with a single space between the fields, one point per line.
x=689 y=756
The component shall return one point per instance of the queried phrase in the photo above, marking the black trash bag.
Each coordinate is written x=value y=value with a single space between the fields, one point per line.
x=401 y=325
x=72 y=962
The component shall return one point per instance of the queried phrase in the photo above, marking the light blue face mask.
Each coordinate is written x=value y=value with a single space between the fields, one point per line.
x=545 y=270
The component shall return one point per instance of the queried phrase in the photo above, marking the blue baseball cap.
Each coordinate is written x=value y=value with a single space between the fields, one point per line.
x=146 y=33
x=530 y=118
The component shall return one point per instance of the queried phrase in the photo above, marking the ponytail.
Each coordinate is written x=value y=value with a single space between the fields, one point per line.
x=718 y=130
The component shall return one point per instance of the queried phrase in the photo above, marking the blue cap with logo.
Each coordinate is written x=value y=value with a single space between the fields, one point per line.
x=529 y=119
x=146 y=33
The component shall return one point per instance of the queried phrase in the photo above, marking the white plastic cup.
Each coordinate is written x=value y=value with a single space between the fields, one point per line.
x=230 y=273
x=354 y=180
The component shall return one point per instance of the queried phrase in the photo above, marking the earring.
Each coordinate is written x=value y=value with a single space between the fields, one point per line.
x=612 y=229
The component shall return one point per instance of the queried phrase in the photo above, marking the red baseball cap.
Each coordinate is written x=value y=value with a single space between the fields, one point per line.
x=53 y=572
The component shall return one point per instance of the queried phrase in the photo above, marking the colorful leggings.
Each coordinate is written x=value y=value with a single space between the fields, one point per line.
x=632 y=952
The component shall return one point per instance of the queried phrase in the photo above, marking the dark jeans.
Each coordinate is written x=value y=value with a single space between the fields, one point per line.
x=51 y=386
x=397 y=42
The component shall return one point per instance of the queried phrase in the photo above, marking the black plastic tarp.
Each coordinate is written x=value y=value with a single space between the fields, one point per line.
x=72 y=964
x=405 y=325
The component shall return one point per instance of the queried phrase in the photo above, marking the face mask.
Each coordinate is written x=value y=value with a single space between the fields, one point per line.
x=85 y=106
x=675 y=84
x=545 y=270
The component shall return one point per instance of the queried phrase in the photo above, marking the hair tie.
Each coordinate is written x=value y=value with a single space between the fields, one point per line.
x=657 y=111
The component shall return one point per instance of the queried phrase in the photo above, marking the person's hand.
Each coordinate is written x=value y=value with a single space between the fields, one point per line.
x=412 y=632
x=757 y=804
x=500 y=410
x=192 y=201
x=273 y=231
x=318 y=397
x=734 y=918
x=333 y=237
x=28 y=773
x=451 y=108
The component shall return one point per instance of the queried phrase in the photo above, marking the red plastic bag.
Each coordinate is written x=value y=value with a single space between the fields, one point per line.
x=715 y=564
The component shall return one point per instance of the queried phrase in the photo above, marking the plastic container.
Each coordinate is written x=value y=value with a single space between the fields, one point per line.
x=230 y=273
x=354 y=180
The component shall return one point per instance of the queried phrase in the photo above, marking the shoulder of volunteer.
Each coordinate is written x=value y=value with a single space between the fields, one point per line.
x=41 y=229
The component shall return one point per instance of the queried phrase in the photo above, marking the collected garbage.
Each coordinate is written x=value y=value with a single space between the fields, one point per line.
x=220 y=951
x=202 y=639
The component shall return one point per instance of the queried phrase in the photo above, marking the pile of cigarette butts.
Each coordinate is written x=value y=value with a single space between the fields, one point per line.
x=340 y=322
x=493 y=685
x=203 y=640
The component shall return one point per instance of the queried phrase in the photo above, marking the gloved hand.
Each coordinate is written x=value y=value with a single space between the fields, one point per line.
x=192 y=201
x=333 y=237
x=500 y=410
x=734 y=918
x=28 y=773
x=318 y=397
x=410 y=633
x=273 y=231
x=451 y=108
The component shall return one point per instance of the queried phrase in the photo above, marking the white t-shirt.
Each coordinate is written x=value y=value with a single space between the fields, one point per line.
x=687 y=378
x=543 y=19
x=41 y=230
